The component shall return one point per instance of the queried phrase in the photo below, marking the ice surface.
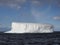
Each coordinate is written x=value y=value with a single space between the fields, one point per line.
x=31 y=28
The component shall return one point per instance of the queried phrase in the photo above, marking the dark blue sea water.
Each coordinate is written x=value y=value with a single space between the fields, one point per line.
x=30 y=38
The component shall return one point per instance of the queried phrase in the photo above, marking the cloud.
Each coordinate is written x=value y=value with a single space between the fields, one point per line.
x=36 y=3
x=0 y=25
x=56 y=18
x=41 y=14
x=37 y=14
x=41 y=2
x=12 y=3
x=46 y=2
x=56 y=3
x=18 y=3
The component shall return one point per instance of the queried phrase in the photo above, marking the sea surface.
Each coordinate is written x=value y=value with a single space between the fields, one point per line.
x=30 y=38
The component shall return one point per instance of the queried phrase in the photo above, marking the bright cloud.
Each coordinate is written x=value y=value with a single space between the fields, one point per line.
x=56 y=18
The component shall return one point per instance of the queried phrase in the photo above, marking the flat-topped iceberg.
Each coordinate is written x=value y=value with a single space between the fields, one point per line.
x=30 y=28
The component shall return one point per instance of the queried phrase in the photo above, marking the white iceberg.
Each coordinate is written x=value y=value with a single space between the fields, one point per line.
x=30 y=28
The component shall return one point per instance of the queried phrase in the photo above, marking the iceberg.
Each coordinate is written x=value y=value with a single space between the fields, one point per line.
x=31 y=28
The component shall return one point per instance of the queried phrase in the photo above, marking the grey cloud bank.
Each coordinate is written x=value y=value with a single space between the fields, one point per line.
x=19 y=3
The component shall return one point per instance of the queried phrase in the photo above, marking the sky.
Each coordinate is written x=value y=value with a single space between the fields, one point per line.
x=34 y=11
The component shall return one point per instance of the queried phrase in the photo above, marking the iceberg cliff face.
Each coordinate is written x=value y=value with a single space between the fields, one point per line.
x=31 y=28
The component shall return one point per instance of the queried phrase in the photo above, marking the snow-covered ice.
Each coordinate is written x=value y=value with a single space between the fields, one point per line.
x=30 y=28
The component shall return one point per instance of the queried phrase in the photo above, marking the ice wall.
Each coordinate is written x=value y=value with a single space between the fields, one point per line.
x=31 y=28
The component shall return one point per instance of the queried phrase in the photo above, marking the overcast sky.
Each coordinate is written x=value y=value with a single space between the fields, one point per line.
x=36 y=11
